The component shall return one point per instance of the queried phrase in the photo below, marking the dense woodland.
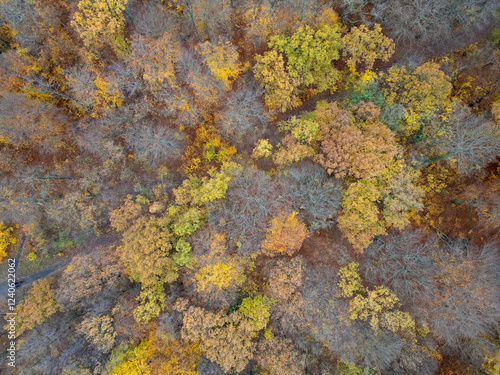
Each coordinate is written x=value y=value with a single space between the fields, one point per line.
x=273 y=187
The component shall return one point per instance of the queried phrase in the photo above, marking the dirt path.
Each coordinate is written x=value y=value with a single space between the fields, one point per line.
x=18 y=258
x=105 y=240
x=35 y=276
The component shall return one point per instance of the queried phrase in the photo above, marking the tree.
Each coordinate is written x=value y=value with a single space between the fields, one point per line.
x=325 y=317
x=369 y=206
x=366 y=111
x=100 y=22
x=267 y=18
x=486 y=200
x=263 y=19
x=285 y=234
x=224 y=339
x=156 y=20
x=427 y=23
x=243 y=118
x=185 y=221
x=31 y=123
x=209 y=18
x=157 y=354
x=90 y=280
x=284 y=279
x=281 y=88
x=471 y=141
x=6 y=239
x=278 y=355
x=263 y=149
x=151 y=301
x=93 y=92
x=222 y=60
x=349 y=368
x=310 y=55
x=304 y=129
x=403 y=261
x=366 y=89
x=216 y=276
x=378 y=306
x=321 y=314
x=208 y=189
x=362 y=151
x=400 y=193
x=252 y=200
x=424 y=91
x=359 y=220
x=291 y=151
x=315 y=195
x=146 y=251
x=154 y=59
x=122 y=216
x=217 y=279
x=155 y=144
x=98 y=330
x=257 y=310
x=38 y=305
x=393 y=115
x=205 y=89
x=463 y=303
x=364 y=46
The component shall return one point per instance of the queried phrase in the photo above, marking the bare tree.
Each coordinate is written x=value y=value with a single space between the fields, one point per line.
x=90 y=280
x=194 y=95
x=465 y=302
x=243 y=117
x=155 y=144
x=403 y=262
x=252 y=199
x=315 y=195
x=154 y=20
x=30 y=122
x=424 y=23
x=208 y=17
x=472 y=141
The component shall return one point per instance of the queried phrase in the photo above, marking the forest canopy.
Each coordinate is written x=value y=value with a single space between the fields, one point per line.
x=273 y=187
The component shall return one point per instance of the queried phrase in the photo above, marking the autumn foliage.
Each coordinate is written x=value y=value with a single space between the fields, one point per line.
x=253 y=186
x=285 y=234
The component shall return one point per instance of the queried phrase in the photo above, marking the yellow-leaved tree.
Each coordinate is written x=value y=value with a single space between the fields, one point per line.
x=369 y=206
x=6 y=238
x=101 y=22
x=218 y=276
x=364 y=46
x=281 y=89
x=423 y=91
x=379 y=307
x=222 y=60
x=157 y=354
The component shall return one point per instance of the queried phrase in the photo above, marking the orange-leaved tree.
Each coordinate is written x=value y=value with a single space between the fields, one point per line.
x=285 y=234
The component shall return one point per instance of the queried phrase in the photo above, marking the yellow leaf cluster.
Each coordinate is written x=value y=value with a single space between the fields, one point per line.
x=377 y=306
x=100 y=22
x=263 y=149
x=157 y=355
x=6 y=239
x=281 y=88
x=219 y=275
x=222 y=60
x=365 y=46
